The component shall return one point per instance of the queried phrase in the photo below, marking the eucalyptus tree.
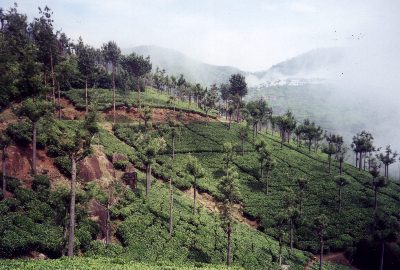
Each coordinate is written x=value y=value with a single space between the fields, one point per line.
x=42 y=32
x=330 y=150
x=286 y=124
x=111 y=53
x=341 y=156
x=76 y=144
x=298 y=131
x=243 y=134
x=230 y=194
x=86 y=64
x=387 y=158
x=258 y=111
x=302 y=184
x=34 y=110
x=5 y=142
x=174 y=132
x=237 y=90
x=148 y=147
x=378 y=183
x=137 y=66
x=211 y=97
x=267 y=162
x=229 y=154
x=293 y=213
x=196 y=171
x=385 y=230
x=362 y=144
x=225 y=96
x=341 y=181
x=64 y=71
x=319 y=226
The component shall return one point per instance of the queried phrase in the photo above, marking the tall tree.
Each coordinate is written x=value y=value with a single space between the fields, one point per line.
x=267 y=163
x=86 y=64
x=237 y=89
x=64 y=72
x=387 y=158
x=149 y=147
x=385 y=229
x=229 y=154
x=42 y=32
x=293 y=213
x=229 y=190
x=137 y=66
x=34 y=110
x=341 y=156
x=5 y=141
x=111 y=53
x=319 y=225
x=378 y=183
x=196 y=171
x=76 y=144
x=302 y=184
x=330 y=150
x=243 y=134
x=341 y=181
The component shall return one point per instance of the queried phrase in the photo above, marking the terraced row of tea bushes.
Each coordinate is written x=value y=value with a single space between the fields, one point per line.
x=151 y=98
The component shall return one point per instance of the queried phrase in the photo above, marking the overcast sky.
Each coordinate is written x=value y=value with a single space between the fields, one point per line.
x=251 y=35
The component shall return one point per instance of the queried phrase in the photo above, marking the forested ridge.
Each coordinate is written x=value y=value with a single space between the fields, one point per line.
x=115 y=164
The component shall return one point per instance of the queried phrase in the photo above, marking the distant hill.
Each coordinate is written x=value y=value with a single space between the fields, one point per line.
x=314 y=63
x=176 y=63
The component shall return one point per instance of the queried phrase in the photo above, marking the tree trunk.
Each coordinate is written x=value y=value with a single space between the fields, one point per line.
x=52 y=77
x=171 y=205
x=376 y=199
x=340 y=198
x=194 y=196
x=108 y=223
x=321 y=252
x=360 y=162
x=291 y=233
x=237 y=110
x=340 y=166
x=34 y=124
x=59 y=101
x=148 y=180
x=329 y=163
x=71 y=237
x=113 y=81
x=173 y=147
x=228 y=246
x=86 y=96
x=309 y=145
x=3 y=169
x=382 y=255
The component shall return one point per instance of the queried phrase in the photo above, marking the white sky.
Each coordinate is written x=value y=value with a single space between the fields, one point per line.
x=251 y=35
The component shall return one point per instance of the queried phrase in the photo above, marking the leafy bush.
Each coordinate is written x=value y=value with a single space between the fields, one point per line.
x=121 y=164
x=64 y=165
x=40 y=182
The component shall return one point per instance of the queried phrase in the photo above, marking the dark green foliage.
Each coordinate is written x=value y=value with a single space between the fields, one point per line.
x=33 y=222
x=121 y=164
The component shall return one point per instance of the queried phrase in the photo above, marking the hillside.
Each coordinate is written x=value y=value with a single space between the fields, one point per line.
x=176 y=63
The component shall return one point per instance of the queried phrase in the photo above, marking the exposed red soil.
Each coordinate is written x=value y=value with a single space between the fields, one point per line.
x=211 y=204
x=19 y=164
x=68 y=110
x=7 y=117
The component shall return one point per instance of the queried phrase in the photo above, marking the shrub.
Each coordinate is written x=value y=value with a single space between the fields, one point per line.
x=121 y=165
x=21 y=133
x=63 y=163
x=12 y=184
x=40 y=182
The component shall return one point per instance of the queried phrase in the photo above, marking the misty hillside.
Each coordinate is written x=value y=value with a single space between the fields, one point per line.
x=176 y=63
